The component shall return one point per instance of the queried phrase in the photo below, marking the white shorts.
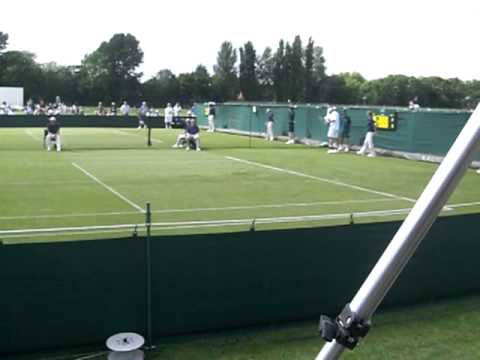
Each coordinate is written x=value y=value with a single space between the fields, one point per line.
x=332 y=131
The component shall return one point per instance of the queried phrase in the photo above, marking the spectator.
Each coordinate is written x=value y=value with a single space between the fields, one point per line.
x=333 y=121
x=413 y=104
x=113 y=109
x=291 y=123
x=212 y=112
x=176 y=113
x=344 y=131
x=270 y=121
x=368 y=145
x=100 y=109
x=192 y=134
x=142 y=114
x=125 y=109
x=169 y=114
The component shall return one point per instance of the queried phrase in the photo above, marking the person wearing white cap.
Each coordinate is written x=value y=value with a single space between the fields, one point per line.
x=53 y=134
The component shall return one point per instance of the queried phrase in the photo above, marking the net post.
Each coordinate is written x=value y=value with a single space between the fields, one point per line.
x=149 y=136
x=148 y=226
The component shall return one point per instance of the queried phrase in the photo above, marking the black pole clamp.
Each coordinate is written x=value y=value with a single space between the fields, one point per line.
x=346 y=329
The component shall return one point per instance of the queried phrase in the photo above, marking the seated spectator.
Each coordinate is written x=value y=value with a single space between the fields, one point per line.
x=100 y=109
x=113 y=109
x=125 y=109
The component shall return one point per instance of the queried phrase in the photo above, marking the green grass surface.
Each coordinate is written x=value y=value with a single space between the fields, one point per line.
x=442 y=330
x=45 y=190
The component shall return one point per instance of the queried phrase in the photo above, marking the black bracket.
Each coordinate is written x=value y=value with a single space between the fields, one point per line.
x=346 y=329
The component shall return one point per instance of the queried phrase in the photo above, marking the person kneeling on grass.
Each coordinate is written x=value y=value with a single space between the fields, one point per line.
x=52 y=134
x=368 y=143
x=192 y=135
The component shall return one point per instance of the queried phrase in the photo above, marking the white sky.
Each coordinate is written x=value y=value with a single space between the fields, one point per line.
x=373 y=37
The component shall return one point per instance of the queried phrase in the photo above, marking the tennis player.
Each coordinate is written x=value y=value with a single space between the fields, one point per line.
x=212 y=112
x=291 y=123
x=270 y=121
x=169 y=114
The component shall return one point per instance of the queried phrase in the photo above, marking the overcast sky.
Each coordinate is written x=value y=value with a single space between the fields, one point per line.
x=373 y=37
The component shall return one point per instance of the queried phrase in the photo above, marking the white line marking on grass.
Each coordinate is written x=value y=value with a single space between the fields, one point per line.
x=35 y=138
x=113 y=191
x=454 y=206
x=339 y=183
x=170 y=211
x=121 y=132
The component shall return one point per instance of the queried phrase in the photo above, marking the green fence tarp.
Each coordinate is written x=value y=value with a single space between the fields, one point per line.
x=74 y=293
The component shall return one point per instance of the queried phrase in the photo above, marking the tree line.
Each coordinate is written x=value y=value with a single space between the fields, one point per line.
x=293 y=71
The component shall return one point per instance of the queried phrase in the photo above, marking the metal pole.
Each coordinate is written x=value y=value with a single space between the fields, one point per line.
x=149 y=139
x=250 y=132
x=148 y=225
x=413 y=229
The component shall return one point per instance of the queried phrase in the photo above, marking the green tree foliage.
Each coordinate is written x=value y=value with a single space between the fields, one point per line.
x=249 y=84
x=279 y=72
x=225 y=77
x=3 y=41
x=310 y=88
x=111 y=69
x=265 y=73
x=18 y=68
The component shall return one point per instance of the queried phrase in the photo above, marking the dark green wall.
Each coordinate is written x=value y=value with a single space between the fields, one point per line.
x=65 y=294
x=12 y=121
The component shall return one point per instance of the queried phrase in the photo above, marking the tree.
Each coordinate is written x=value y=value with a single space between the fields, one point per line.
x=3 y=40
x=18 y=68
x=353 y=87
x=202 y=84
x=111 y=68
x=310 y=86
x=265 y=71
x=294 y=72
x=160 y=89
x=249 y=85
x=225 y=72
x=279 y=72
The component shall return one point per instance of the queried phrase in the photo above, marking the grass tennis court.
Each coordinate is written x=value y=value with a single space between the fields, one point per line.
x=105 y=177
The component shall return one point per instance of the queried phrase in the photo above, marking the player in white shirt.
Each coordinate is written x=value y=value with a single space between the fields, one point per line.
x=125 y=109
x=176 y=113
x=332 y=119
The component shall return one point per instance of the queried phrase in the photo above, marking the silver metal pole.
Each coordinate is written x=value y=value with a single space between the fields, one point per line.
x=413 y=229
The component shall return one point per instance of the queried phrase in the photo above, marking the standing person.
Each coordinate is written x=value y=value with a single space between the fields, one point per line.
x=291 y=123
x=125 y=109
x=142 y=114
x=368 y=143
x=333 y=121
x=169 y=113
x=270 y=121
x=53 y=134
x=344 y=133
x=176 y=113
x=212 y=112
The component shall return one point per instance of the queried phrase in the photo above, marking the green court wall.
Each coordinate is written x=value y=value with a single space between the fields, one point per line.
x=75 y=293
x=424 y=132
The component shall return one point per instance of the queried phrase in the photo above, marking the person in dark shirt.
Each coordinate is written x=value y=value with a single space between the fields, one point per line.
x=344 y=133
x=270 y=121
x=53 y=134
x=212 y=112
x=368 y=145
x=192 y=134
x=291 y=123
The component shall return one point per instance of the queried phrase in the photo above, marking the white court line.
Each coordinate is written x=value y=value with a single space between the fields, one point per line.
x=454 y=206
x=35 y=138
x=113 y=191
x=329 y=181
x=120 y=132
x=213 y=209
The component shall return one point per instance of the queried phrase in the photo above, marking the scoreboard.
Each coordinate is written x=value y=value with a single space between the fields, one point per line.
x=385 y=122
